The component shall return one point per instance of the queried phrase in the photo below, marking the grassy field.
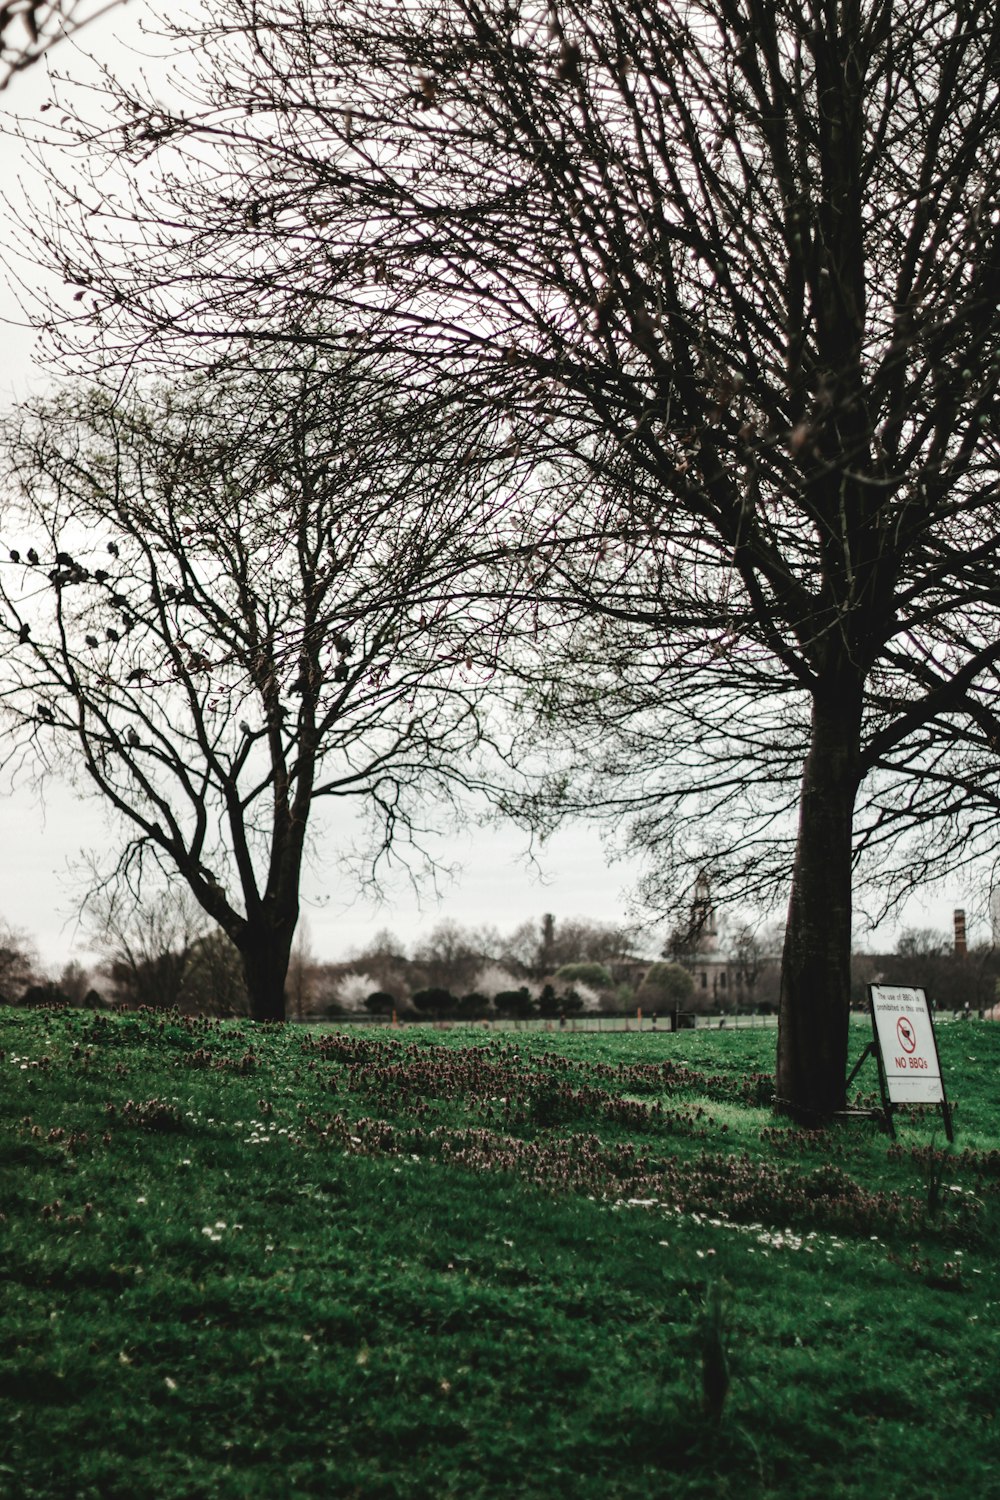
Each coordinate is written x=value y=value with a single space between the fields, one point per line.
x=275 y=1263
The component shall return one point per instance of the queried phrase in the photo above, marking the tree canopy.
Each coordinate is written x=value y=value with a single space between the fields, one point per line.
x=28 y=29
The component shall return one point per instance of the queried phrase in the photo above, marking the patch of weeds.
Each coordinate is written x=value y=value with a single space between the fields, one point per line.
x=147 y=1114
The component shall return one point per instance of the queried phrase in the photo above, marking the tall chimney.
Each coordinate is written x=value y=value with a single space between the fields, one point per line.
x=960 y=946
x=548 y=942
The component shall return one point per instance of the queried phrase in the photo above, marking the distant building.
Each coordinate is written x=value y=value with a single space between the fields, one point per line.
x=719 y=982
x=995 y=916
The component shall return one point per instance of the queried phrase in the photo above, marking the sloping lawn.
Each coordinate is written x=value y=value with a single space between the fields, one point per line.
x=272 y=1262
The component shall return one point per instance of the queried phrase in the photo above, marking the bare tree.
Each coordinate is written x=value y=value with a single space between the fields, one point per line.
x=383 y=956
x=755 y=951
x=18 y=963
x=449 y=958
x=923 y=943
x=75 y=982
x=736 y=261
x=29 y=28
x=232 y=601
x=149 y=943
x=161 y=950
x=538 y=948
x=214 y=983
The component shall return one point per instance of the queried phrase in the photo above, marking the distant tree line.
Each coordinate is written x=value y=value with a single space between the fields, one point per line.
x=927 y=958
x=162 y=953
x=538 y=968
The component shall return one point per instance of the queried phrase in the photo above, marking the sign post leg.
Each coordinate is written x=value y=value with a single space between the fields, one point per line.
x=883 y=1083
x=946 y=1112
x=869 y=1049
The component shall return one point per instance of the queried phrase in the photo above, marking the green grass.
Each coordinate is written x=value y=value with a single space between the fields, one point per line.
x=275 y=1263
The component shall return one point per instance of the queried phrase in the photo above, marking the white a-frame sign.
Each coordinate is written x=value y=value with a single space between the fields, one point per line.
x=906 y=1049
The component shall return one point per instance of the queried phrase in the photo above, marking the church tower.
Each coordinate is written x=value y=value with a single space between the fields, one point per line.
x=704 y=928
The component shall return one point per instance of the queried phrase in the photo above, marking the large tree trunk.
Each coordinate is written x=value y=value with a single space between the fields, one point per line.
x=816 y=964
x=265 y=953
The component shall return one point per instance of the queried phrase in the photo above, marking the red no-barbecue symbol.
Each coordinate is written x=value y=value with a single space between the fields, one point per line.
x=907 y=1035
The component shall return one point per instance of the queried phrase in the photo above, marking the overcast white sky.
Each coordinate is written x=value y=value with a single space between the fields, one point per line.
x=42 y=837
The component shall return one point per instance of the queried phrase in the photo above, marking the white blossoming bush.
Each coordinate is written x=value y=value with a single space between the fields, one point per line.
x=494 y=979
x=353 y=990
x=590 y=998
